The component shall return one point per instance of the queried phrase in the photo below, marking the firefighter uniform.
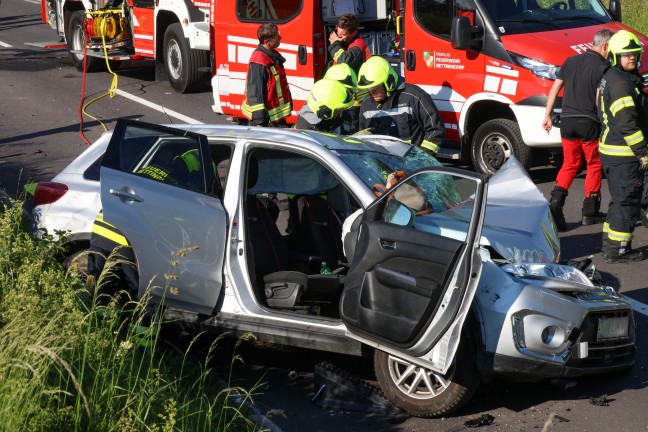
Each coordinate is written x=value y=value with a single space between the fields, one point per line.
x=326 y=106
x=267 y=99
x=623 y=150
x=353 y=52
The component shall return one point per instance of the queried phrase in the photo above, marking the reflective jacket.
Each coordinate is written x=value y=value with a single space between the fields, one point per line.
x=267 y=96
x=353 y=52
x=408 y=113
x=624 y=117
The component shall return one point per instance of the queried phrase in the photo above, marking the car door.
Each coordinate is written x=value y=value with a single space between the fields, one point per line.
x=156 y=191
x=416 y=266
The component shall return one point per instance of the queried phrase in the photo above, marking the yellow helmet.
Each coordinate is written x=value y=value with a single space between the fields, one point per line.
x=376 y=71
x=344 y=74
x=327 y=98
x=623 y=42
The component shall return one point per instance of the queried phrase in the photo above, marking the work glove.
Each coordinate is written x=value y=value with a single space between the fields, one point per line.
x=643 y=163
x=367 y=131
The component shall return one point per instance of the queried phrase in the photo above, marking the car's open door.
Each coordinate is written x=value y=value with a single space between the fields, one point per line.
x=157 y=189
x=416 y=266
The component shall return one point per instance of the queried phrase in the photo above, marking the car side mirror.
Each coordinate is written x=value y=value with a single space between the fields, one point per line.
x=464 y=36
x=398 y=214
x=615 y=9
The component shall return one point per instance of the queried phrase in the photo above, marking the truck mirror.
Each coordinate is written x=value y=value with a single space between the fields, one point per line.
x=615 y=9
x=463 y=36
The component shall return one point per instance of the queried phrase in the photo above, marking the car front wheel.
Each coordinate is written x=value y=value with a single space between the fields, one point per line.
x=495 y=141
x=421 y=392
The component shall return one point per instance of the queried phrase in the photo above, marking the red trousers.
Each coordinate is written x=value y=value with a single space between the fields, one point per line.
x=573 y=151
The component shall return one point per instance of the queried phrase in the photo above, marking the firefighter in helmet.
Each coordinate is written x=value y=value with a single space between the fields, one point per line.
x=623 y=113
x=324 y=106
x=398 y=109
x=347 y=77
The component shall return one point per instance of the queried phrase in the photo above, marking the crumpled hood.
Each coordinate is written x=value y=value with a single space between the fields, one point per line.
x=517 y=223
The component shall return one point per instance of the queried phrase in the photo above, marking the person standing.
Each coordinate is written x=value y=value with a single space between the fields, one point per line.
x=398 y=109
x=623 y=149
x=267 y=100
x=346 y=46
x=579 y=128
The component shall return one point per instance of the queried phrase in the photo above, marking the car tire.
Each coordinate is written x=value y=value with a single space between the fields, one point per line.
x=435 y=395
x=77 y=262
x=76 y=42
x=184 y=66
x=494 y=142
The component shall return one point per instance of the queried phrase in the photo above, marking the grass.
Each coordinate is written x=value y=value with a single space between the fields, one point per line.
x=66 y=365
x=635 y=15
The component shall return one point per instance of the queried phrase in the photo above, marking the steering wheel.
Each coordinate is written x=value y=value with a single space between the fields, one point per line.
x=561 y=5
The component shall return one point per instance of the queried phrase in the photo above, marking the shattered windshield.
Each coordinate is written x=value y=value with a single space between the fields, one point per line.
x=530 y=16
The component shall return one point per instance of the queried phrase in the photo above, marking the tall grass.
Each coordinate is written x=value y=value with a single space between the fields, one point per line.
x=635 y=15
x=64 y=366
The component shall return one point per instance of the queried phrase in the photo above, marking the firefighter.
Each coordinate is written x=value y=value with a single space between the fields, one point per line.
x=622 y=145
x=346 y=46
x=579 y=128
x=347 y=77
x=324 y=106
x=398 y=109
x=267 y=100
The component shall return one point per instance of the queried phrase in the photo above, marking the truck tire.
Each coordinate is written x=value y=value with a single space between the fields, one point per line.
x=494 y=142
x=76 y=42
x=421 y=392
x=181 y=63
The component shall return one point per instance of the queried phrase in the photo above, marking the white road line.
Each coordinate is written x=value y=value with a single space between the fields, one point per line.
x=638 y=306
x=6 y=45
x=159 y=108
x=33 y=1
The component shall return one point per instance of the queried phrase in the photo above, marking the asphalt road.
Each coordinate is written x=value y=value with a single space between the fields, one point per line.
x=40 y=96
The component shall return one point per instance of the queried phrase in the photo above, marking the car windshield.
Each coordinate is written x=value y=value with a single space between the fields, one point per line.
x=530 y=16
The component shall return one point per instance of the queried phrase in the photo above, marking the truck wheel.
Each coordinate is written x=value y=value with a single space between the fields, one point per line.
x=495 y=141
x=76 y=42
x=182 y=64
x=421 y=392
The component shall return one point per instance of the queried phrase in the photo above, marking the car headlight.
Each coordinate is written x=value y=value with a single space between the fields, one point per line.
x=537 y=68
x=557 y=271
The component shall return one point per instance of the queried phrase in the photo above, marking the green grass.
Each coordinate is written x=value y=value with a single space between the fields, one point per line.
x=635 y=15
x=66 y=367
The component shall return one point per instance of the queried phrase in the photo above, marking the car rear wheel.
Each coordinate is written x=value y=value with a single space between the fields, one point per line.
x=421 y=392
x=76 y=42
x=185 y=67
x=495 y=141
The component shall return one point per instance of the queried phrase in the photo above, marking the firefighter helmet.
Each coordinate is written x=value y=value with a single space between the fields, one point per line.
x=327 y=98
x=376 y=71
x=623 y=42
x=342 y=73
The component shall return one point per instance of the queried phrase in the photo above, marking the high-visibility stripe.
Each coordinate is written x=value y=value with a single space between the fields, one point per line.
x=619 y=104
x=110 y=235
x=618 y=236
x=337 y=54
x=390 y=112
x=635 y=138
x=615 y=150
x=430 y=146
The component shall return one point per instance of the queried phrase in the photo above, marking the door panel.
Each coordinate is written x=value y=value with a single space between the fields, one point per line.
x=416 y=266
x=143 y=16
x=176 y=229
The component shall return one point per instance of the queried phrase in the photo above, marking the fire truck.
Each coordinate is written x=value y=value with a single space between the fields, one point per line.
x=488 y=64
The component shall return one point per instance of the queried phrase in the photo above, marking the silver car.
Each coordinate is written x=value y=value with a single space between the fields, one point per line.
x=450 y=277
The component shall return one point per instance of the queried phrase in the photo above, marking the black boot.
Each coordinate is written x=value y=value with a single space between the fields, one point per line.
x=556 y=204
x=591 y=213
x=619 y=252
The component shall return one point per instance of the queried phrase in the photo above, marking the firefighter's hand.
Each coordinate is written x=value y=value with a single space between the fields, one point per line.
x=546 y=124
x=333 y=37
x=643 y=163
x=367 y=131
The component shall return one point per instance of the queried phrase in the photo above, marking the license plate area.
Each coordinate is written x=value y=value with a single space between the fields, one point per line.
x=610 y=328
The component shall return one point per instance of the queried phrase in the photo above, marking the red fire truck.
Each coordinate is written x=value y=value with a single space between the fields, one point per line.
x=488 y=64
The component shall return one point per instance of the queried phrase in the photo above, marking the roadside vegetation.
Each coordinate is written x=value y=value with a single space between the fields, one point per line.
x=635 y=15
x=67 y=366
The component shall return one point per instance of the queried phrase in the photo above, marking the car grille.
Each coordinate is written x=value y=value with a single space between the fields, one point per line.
x=608 y=352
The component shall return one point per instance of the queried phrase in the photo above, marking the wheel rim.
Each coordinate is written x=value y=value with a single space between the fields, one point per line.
x=496 y=150
x=174 y=59
x=417 y=382
x=78 y=41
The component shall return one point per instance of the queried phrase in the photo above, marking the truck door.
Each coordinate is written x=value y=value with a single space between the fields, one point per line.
x=235 y=32
x=143 y=16
x=416 y=266
x=429 y=60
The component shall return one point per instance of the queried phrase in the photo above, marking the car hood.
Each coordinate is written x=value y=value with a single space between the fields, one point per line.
x=517 y=223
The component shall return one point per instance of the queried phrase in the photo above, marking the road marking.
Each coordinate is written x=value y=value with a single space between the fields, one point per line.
x=159 y=108
x=6 y=45
x=33 y=1
x=638 y=306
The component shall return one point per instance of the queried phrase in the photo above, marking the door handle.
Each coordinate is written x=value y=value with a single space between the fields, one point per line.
x=410 y=60
x=125 y=195
x=388 y=244
x=301 y=54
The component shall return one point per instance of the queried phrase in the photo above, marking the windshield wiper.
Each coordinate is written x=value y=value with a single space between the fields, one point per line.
x=529 y=20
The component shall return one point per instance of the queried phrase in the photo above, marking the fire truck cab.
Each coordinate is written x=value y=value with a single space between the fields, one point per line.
x=488 y=64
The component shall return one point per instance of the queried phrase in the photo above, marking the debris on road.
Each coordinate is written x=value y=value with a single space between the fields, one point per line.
x=483 y=420
x=600 y=400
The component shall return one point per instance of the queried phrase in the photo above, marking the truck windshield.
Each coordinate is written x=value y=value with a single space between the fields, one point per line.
x=530 y=16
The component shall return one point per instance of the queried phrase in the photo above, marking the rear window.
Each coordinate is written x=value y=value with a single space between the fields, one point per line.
x=267 y=10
